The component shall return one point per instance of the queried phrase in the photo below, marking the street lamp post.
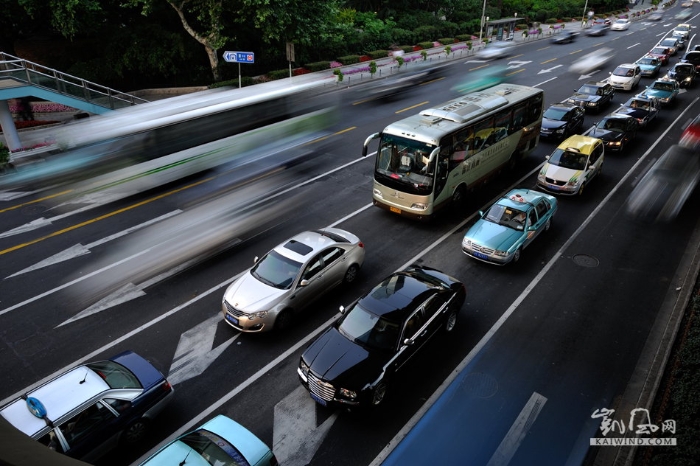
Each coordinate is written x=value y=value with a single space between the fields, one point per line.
x=583 y=17
x=483 y=15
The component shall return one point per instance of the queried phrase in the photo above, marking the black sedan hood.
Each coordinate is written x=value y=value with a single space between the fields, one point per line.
x=585 y=97
x=337 y=360
x=606 y=134
x=552 y=124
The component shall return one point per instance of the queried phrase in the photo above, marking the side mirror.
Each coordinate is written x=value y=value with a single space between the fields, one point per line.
x=546 y=157
x=408 y=342
x=481 y=213
x=531 y=228
x=304 y=283
x=255 y=260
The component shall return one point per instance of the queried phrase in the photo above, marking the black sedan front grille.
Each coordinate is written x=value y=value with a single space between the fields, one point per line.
x=321 y=389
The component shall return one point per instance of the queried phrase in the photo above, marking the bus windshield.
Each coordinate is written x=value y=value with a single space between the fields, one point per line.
x=405 y=164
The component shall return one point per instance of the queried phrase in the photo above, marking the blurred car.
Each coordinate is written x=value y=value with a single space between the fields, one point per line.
x=592 y=61
x=597 y=30
x=643 y=109
x=691 y=135
x=662 y=53
x=482 y=79
x=621 y=24
x=564 y=37
x=684 y=74
x=655 y=16
x=562 y=120
x=664 y=90
x=290 y=277
x=683 y=15
x=687 y=4
x=661 y=193
x=572 y=165
x=593 y=95
x=509 y=226
x=615 y=130
x=693 y=58
x=650 y=66
x=626 y=77
x=91 y=409
x=354 y=362
x=219 y=441
x=495 y=50
x=673 y=43
x=401 y=82
x=602 y=22
x=683 y=29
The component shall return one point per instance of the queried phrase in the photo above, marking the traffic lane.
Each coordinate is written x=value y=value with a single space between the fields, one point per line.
x=570 y=341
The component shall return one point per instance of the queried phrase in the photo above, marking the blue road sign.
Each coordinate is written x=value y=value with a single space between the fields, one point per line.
x=239 y=57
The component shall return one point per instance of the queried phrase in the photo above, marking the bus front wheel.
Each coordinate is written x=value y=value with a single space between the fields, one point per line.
x=459 y=198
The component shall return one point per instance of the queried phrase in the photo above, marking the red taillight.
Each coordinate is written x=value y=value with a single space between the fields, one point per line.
x=166 y=386
x=273 y=461
x=361 y=244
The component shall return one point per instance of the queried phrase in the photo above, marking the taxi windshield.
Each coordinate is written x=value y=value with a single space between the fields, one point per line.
x=506 y=216
x=570 y=159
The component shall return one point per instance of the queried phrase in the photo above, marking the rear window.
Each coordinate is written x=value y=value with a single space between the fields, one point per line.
x=115 y=375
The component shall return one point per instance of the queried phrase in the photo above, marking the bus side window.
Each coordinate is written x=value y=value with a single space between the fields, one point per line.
x=519 y=117
x=503 y=124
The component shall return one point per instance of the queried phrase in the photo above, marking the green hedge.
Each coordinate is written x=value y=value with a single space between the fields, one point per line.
x=318 y=66
x=245 y=81
x=447 y=40
x=378 y=54
x=278 y=74
x=406 y=48
x=426 y=45
x=349 y=59
x=550 y=20
x=464 y=37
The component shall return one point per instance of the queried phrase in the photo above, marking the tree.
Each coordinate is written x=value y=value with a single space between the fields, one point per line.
x=203 y=20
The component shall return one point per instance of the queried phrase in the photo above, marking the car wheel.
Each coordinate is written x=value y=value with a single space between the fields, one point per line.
x=378 y=394
x=459 y=198
x=135 y=432
x=351 y=274
x=451 y=321
x=284 y=320
x=548 y=225
x=516 y=255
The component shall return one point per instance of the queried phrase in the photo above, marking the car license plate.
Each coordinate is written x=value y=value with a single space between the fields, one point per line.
x=318 y=400
x=480 y=255
x=554 y=187
x=231 y=319
x=396 y=210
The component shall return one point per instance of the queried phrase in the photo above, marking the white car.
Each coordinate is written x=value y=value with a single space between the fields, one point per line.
x=626 y=76
x=290 y=277
x=592 y=61
x=620 y=25
x=495 y=50
x=572 y=165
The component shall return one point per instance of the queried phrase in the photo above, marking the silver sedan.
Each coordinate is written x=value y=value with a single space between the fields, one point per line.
x=290 y=277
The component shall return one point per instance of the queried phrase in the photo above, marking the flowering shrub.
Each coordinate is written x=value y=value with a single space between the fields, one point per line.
x=35 y=146
x=32 y=123
x=44 y=107
x=436 y=44
x=300 y=71
x=336 y=64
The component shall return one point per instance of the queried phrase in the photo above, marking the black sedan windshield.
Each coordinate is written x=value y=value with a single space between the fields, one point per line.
x=368 y=329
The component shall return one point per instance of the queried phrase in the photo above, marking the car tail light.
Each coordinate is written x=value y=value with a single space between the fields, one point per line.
x=361 y=244
x=166 y=386
x=273 y=461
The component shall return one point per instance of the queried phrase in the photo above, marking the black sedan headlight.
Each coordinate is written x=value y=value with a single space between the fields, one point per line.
x=348 y=394
x=303 y=370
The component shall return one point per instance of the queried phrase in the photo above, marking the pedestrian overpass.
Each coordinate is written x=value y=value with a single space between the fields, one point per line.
x=22 y=78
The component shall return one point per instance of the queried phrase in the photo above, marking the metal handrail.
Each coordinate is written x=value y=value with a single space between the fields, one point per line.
x=41 y=76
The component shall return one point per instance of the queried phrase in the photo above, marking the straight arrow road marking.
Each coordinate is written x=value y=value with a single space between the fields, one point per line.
x=587 y=76
x=296 y=436
x=78 y=250
x=195 y=351
x=549 y=70
x=517 y=432
x=42 y=222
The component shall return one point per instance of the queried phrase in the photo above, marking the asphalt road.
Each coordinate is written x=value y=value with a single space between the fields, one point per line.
x=575 y=338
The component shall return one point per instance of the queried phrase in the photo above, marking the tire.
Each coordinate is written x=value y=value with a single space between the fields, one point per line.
x=548 y=225
x=351 y=274
x=451 y=321
x=516 y=256
x=459 y=198
x=379 y=394
x=284 y=320
x=135 y=432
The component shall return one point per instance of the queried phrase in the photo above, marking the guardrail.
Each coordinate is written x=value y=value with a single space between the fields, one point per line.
x=27 y=72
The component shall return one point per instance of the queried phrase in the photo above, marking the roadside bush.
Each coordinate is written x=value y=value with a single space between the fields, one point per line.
x=426 y=45
x=349 y=59
x=448 y=28
x=521 y=26
x=464 y=37
x=245 y=81
x=424 y=33
x=406 y=48
x=378 y=54
x=566 y=18
x=318 y=66
x=278 y=74
x=446 y=40
x=551 y=20
x=403 y=36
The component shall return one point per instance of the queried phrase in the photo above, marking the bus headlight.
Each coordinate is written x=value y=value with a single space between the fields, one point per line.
x=418 y=206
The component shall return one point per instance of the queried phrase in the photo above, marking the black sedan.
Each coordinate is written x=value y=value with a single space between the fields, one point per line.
x=561 y=121
x=566 y=37
x=593 y=95
x=598 y=30
x=684 y=73
x=643 y=109
x=693 y=58
x=353 y=363
x=616 y=131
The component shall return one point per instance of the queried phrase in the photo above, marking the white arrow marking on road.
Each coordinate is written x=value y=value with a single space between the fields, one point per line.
x=80 y=250
x=475 y=61
x=42 y=222
x=126 y=293
x=195 y=351
x=295 y=435
x=12 y=195
x=633 y=45
x=518 y=64
x=586 y=76
x=548 y=70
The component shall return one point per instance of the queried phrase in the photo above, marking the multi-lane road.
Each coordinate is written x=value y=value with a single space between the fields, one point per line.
x=566 y=331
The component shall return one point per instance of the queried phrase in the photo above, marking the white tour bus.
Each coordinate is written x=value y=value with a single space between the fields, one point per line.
x=429 y=160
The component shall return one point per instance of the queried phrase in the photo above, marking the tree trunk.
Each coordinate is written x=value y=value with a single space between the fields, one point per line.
x=206 y=41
